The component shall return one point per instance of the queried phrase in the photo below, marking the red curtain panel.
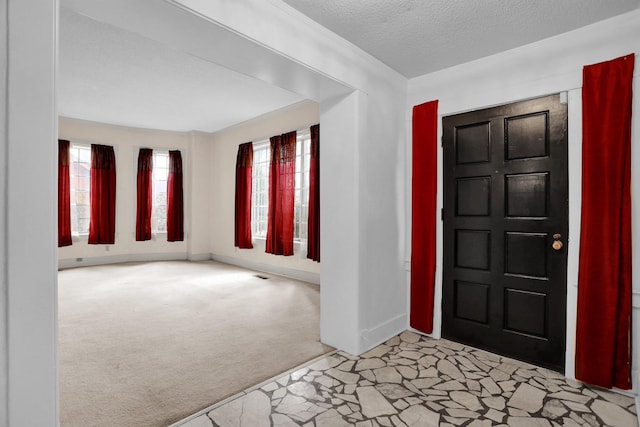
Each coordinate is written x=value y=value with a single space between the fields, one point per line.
x=603 y=336
x=313 y=222
x=64 y=195
x=282 y=170
x=244 y=179
x=144 y=194
x=424 y=180
x=175 y=203
x=102 y=224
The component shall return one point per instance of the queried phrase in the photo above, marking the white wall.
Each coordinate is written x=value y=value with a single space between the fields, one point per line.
x=3 y=225
x=29 y=228
x=550 y=66
x=221 y=192
x=126 y=142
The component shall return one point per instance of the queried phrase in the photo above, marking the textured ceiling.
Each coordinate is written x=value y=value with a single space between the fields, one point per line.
x=416 y=37
x=113 y=76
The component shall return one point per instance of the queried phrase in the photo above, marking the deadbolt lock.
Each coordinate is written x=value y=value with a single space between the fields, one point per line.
x=557 y=244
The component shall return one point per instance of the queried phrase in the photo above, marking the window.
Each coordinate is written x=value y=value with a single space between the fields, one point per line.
x=260 y=189
x=80 y=186
x=301 y=198
x=159 y=189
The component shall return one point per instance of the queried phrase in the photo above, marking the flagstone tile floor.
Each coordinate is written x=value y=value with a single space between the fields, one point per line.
x=413 y=380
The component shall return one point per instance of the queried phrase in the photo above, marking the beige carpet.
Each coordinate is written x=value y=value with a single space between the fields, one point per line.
x=147 y=344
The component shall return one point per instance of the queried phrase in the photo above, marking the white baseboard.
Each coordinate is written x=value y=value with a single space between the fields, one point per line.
x=379 y=334
x=304 y=276
x=199 y=257
x=116 y=259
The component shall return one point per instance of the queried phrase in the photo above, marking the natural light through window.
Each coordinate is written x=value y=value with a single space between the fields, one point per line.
x=260 y=187
x=80 y=180
x=301 y=200
x=260 y=190
x=159 y=188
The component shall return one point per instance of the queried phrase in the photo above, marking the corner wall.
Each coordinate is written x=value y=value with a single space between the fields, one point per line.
x=126 y=142
x=221 y=192
x=549 y=66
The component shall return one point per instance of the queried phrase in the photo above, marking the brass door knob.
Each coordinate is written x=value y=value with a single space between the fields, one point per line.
x=557 y=245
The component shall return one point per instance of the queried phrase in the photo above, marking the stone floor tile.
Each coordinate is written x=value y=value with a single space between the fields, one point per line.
x=410 y=354
x=370 y=363
x=373 y=403
x=428 y=361
x=410 y=337
x=393 y=391
x=617 y=398
x=397 y=422
x=447 y=368
x=417 y=381
x=407 y=372
x=376 y=352
x=419 y=416
x=527 y=422
x=346 y=366
x=253 y=409
x=283 y=380
x=490 y=385
x=298 y=408
x=388 y=374
x=497 y=402
x=304 y=389
x=431 y=372
x=450 y=386
x=331 y=418
x=452 y=404
x=494 y=415
x=435 y=406
x=555 y=409
x=345 y=377
x=613 y=414
x=507 y=386
x=518 y=412
x=575 y=406
x=574 y=397
x=499 y=375
x=527 y=398
x=269 y=387
x=345 y=410
x=280 y=420
x=467 y=400
x=400 y=404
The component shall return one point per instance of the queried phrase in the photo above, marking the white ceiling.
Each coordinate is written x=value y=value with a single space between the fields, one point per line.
x=113 y=76
x=416 y=37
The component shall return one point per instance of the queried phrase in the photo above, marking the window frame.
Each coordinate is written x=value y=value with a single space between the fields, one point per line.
x=164 y=153
x=73 y=190
x=264 y=189
x=301 y=202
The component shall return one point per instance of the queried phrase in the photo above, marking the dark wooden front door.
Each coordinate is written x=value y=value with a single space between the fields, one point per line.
x=505 y=216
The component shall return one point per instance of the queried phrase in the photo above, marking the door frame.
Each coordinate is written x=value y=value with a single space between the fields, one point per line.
x=574 y=166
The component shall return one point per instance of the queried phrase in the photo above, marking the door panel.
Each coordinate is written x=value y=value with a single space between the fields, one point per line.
x=505 y=198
